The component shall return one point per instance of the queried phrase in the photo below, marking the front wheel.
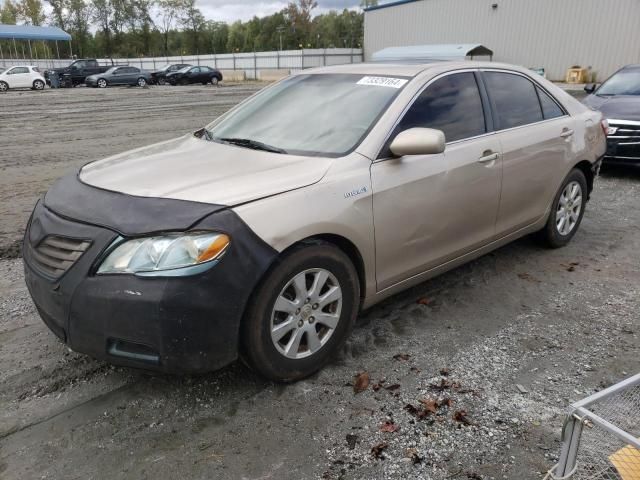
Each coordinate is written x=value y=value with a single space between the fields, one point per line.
x=567 y=211
x=162 y=81
x=4 y=86
x=38 y=85
x=102 y=83
x=142 y=82
x=302 y=312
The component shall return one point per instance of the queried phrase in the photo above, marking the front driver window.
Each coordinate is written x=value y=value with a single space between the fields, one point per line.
x=451 y=104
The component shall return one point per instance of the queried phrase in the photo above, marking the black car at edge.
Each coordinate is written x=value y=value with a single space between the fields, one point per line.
x=618 y=98
x=201 y=74
x=159 y=76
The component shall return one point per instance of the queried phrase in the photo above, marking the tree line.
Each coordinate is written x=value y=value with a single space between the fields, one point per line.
x=137 y=28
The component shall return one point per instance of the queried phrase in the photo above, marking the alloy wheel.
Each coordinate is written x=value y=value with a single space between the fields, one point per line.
x=38 y=85
x=141 y=82
x=306 y=313
x=4 y=87
x=569 y=207
x=102 y=83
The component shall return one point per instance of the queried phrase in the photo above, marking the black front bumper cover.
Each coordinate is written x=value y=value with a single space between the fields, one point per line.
x=177 y=324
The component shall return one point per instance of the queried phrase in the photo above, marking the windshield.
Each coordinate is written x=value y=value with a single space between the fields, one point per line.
x=321 y=114
x=626 y=82
x=112 y=69
x=183 y=69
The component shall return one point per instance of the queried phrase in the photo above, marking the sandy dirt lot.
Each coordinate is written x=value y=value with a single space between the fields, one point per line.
x=562 y=323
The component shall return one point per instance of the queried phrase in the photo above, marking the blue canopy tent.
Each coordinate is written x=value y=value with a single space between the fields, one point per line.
x=30 y=33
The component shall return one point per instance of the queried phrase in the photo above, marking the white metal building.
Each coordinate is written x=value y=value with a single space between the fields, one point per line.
x=552 y=34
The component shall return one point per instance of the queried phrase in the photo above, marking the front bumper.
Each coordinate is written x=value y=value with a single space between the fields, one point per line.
x=90 y=82
x=171 y=324
x=624 y=145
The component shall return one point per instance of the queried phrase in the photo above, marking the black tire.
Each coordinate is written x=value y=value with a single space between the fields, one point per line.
x=550 y=235
x=162 y=81
x=258 y=349
x=38 y=85
x=141 y=82
x=4 y=86
x=102 y=83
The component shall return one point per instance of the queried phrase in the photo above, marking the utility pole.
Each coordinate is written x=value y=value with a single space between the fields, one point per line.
x=280 y=29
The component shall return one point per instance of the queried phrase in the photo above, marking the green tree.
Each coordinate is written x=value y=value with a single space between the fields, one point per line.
x=193 y=21
x=166 y=19
x=31 y=12
x=9 y=13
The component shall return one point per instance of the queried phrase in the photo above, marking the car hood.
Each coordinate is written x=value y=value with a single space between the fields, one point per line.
x=193 y=169
x=622 y=107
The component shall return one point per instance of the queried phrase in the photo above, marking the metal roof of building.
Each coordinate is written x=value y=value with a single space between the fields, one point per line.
x=430 y=53
x=29 y=32
x=389 y=4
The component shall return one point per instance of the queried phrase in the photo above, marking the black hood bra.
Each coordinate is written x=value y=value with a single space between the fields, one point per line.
x=126 y=214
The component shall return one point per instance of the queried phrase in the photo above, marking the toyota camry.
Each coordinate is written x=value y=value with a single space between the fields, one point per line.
x=262 y=235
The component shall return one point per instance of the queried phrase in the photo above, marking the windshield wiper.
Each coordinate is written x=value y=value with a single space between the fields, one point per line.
x=254 y=144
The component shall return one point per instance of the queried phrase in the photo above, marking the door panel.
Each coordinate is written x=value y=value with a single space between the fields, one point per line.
x=429 y=209
x=534 y=158
x=535 y=138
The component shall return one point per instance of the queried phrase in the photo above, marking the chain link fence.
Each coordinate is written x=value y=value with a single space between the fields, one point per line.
x=601 y=436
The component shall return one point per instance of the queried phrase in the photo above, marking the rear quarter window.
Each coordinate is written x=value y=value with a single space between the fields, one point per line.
x=550 y=108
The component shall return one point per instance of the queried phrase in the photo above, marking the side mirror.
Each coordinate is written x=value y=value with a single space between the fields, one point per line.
x=590 y=87
x=418 y=141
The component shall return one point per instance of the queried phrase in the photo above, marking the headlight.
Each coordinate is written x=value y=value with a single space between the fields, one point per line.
x=157 y=255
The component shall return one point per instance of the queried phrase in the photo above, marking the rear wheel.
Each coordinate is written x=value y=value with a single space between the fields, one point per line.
x=567 y=211
x=162 y=81
x=142 y=82
x=102 y=83
x=302 y=313
x=214 y=81
x=38 y=85
x=4 y=86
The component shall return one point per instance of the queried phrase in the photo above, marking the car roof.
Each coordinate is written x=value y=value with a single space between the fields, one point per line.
x=408 y=69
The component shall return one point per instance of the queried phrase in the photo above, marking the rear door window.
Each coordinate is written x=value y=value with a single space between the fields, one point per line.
x=451 y=104
x=514 y=98
x=550 y=109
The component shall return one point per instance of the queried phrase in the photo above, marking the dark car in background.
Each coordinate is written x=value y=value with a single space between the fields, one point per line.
x=159 y=76
x=78 y=70
x=189 y=75
x=119 y=76
x=618 y=98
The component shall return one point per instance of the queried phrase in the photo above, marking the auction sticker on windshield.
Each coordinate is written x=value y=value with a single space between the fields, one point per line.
x=383 y=82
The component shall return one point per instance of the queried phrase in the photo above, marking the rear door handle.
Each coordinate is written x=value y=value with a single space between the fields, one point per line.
x=566 y=133
x=488 y=157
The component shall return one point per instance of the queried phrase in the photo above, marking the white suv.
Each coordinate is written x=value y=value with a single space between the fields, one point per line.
x=21 y=76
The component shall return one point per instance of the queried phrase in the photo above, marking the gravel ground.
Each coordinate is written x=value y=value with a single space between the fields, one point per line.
x=442 y=360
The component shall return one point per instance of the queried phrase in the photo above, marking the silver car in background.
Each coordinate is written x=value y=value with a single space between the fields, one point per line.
x=265 y=233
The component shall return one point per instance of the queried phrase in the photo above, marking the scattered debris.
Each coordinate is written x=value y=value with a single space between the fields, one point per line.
x=401 y=356
x=377 y=450
x=352 y=440
x=361 y=382
x=412 y=454
x=424 y=301
x=521 y=389
x=460 y=416
x=444 y=372
x=389 y=427
x=528 y=277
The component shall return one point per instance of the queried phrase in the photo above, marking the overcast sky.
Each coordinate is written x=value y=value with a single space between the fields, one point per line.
x=232 y=10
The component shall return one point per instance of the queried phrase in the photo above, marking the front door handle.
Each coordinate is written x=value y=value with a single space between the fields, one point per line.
x=488 y=156
x=566 y=133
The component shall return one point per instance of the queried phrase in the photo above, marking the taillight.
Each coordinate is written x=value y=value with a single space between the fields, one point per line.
x=605 y=126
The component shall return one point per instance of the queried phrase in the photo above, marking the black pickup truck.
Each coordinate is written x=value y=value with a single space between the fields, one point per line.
x=78 y=70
